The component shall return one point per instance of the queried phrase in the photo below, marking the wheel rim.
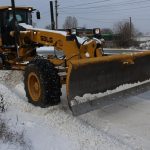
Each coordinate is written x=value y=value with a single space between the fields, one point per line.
x=34 y=86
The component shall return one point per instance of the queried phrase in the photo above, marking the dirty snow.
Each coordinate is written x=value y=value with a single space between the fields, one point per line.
x=121 y=126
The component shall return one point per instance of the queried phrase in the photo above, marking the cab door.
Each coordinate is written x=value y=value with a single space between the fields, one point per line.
x=6 y=28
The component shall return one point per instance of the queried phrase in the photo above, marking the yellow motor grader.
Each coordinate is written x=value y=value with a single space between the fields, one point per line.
x=84 y=68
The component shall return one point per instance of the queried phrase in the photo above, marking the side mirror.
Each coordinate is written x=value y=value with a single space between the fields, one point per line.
x=38 y=15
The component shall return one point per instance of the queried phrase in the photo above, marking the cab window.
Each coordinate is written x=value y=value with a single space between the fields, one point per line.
x=21 y=16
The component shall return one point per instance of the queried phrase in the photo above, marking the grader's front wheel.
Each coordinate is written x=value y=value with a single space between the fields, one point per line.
x=34 y=86
x=42 y=83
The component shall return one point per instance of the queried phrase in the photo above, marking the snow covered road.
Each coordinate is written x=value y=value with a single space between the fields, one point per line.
x=121 y=126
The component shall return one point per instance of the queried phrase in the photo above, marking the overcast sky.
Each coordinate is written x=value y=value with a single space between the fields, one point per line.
x=93 y=13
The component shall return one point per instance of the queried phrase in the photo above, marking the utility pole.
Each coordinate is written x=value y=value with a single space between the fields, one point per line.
x=56 y=13
x=130 y=29
x=52 y=16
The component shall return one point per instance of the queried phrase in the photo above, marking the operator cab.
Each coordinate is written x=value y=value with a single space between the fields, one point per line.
x=23 y=15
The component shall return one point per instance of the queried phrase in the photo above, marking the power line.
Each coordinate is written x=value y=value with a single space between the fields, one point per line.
x=134 y=7
x=89 y=3
x=94 y=19
x=109 y=11
x=108 y=5
x=117 y=4
x=101 y=20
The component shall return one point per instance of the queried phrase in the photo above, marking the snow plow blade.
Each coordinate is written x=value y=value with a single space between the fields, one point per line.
x=85 y=107
x=98 y=75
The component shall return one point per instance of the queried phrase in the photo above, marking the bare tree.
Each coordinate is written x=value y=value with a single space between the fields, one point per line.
x=126 y=33
x=70 y=22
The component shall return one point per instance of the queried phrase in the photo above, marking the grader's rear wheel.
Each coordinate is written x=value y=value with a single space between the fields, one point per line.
x=42 y=83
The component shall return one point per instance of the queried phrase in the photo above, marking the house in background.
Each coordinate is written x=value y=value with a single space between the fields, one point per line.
x=143 y=38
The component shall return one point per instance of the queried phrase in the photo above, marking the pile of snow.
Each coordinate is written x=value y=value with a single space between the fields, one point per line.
x=89 y=97
x=145 y=45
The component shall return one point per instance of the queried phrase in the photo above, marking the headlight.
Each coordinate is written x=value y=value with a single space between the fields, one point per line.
x=87 y=55
x=96 y=31
x=9 y=8
x=30 y=9
x=34 y=32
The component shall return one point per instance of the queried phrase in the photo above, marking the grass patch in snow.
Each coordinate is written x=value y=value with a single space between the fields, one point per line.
x=9 y=136
x=12 y=137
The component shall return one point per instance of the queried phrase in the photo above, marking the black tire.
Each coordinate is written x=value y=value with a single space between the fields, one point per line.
x=49 y=82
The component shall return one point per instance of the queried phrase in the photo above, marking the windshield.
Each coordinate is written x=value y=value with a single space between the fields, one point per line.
x=22 y=16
